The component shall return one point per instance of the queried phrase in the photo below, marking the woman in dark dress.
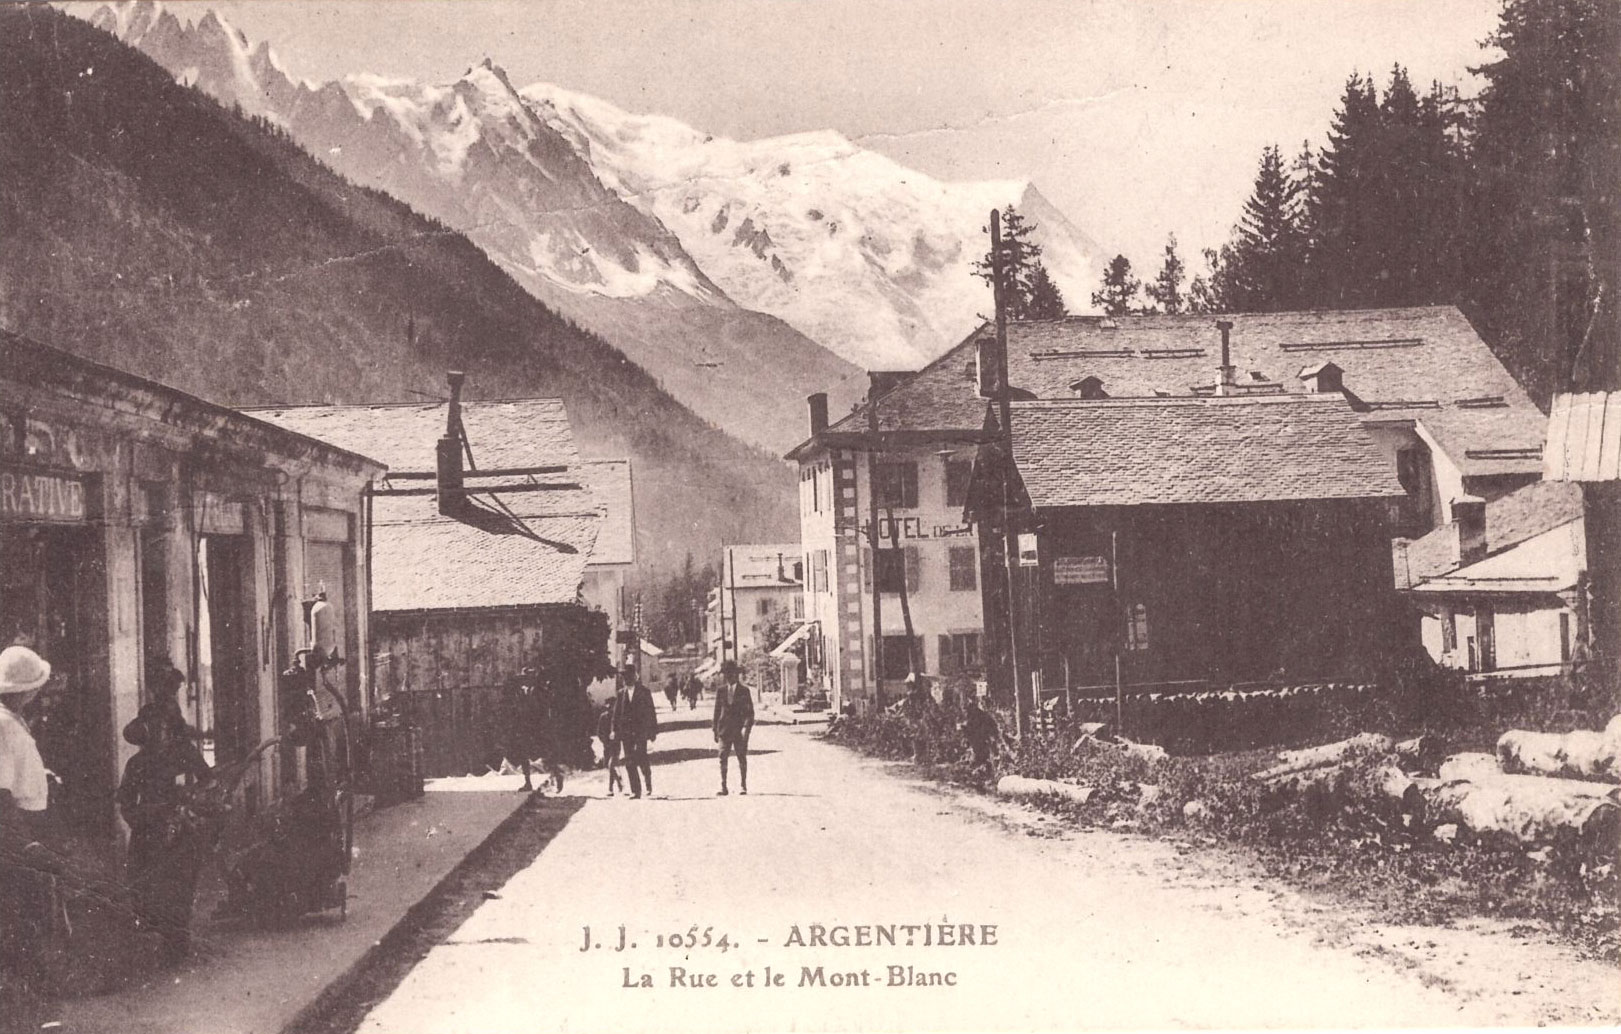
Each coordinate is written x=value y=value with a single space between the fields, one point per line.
x=168 y=838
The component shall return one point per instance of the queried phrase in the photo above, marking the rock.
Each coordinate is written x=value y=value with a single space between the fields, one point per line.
x=1447 y=832
x=1195 y=812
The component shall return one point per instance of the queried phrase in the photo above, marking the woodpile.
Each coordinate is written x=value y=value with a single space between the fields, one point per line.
x=1019 y=786
x=1537 y=789
x=1572 y=755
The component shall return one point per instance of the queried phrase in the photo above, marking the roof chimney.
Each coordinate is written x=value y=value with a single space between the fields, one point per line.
x=1469 y=516
x=985 y=366
x=818 y=412
x=452 y=496
x=1228 y=379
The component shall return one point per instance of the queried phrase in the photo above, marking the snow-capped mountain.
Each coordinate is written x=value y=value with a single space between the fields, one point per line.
x=743 y=275
x=867 y=256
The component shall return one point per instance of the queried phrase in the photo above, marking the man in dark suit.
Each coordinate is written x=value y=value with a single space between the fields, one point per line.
x=635 y=725
x=734 y=719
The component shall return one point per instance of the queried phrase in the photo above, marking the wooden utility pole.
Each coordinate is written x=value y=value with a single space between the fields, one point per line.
x=872 y=539
x=1004 y=415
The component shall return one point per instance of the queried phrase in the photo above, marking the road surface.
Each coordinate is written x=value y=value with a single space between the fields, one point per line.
x=852 y=898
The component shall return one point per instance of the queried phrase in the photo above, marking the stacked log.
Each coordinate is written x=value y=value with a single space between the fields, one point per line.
x=1020 y=786
x=1582 y=754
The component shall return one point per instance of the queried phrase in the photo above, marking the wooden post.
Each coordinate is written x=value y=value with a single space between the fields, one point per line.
x=1010 y=535
x=872 y=539
x=1120 y=610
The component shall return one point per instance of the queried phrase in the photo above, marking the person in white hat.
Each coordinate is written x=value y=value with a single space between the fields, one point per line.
x=22 y=772
x=27 y=912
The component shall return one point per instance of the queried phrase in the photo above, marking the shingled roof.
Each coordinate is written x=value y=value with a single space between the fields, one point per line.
x=1515 y=518
x=1422 y=364
x=529 y=554
x=1133 y=452
x=610 y=483
x=515 y=546
x=510 y=433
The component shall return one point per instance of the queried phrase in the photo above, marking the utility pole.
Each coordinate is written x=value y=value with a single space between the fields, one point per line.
x=872 y=538
x=1004 y=399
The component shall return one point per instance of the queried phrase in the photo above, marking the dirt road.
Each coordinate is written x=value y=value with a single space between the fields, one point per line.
x=848 y=897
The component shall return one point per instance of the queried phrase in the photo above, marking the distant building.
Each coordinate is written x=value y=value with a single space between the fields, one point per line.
x=1162 y=542
x=1500 y=586
x=614 y=554
x=483 y=531
x=1447 y=418
x=139 y=522
x=761 y=587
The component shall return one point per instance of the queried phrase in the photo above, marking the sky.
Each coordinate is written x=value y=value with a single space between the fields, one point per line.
x=1137 y=118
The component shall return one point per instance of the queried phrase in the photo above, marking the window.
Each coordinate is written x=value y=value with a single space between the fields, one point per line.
x=964 y=568
x=762 y=607
x=1564 y=636
x=799 y=607
x=890 y=568
x=1449 y=631
x=819 y=570
x=958 y=473
x=959 y=653
x=816 y=490
x=897 y=485
x=1137 y=627
x=897 y=658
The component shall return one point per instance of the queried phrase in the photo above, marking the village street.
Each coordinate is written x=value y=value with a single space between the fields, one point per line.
x=1091 y=930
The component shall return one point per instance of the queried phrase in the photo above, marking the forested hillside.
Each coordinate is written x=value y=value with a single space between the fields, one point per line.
x=144 y=226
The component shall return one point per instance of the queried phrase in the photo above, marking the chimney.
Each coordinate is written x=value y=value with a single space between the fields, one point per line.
x=1228 y=379
x=452 y=496
x=818 y=412
x=880 y=381
x=985 y=367
x=1469 y=516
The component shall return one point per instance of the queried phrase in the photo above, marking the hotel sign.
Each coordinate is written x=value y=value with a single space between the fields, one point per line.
x=35 y=495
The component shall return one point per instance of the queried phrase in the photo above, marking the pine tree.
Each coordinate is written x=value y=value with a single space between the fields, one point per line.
x=1043 y=299
x=1546 y=207
x=1031 y=294
x=1166 y=290
x=1265 y=264
x=1338 y=209
x=1118 y=295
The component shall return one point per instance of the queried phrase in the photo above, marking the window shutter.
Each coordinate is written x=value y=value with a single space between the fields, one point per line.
x=948 y=662
x=866 y=569
x=909 y=486
x=914 y=569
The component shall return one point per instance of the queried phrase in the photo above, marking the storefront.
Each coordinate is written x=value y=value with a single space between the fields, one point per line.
x=138 y=522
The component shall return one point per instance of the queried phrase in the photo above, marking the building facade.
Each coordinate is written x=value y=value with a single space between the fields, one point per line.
x=1169 y=543
x=761 y=589
x=613 y=556
x=141 y=523
x=1446 y=417
x=482 y=533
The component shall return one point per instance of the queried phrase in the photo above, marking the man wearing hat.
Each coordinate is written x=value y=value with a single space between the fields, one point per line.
x=734 y=719
x=26 y=902
x=635 y=724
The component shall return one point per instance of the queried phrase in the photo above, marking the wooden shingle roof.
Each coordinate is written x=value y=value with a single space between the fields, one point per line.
x=1135 y=452
x=1423 y=364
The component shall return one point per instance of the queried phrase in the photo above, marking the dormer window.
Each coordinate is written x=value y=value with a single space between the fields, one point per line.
x=1089 y=388
x=1323 y=378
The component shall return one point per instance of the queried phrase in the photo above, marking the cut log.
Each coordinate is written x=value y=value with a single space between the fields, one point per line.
x=1421 y=753
x=1528 y=809
x=1146 y=751
x=1020 y=786
x=1468 y=766
x=1096 y=730
x=1572 y=755
x=1385 y=790
x=1327 y=754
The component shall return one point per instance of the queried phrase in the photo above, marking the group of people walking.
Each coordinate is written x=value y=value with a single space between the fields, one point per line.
x=629 y=722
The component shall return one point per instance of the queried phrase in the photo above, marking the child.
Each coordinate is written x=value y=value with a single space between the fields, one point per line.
x=167 y=838
x=610 y=748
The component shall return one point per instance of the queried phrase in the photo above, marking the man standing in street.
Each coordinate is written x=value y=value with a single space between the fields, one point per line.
x=635 y=725
x=734 y=719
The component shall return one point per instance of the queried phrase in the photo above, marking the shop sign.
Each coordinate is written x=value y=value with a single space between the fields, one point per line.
x=1080 y=570
x=1027 y=549
x=33 y=495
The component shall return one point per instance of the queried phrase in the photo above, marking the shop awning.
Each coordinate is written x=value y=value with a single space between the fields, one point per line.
x=797 y=636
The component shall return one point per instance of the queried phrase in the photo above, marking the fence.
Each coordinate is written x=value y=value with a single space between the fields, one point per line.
x=1198 y=717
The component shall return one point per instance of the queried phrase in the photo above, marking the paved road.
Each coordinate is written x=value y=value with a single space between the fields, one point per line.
x=1072 y=930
